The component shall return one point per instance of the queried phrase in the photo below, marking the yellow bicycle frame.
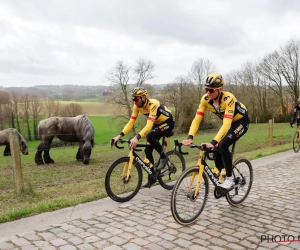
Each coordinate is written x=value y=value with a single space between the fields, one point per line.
x=200 y=173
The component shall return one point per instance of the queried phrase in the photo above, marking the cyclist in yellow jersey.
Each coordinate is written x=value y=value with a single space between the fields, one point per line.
x=235 y=123
x=159 y=122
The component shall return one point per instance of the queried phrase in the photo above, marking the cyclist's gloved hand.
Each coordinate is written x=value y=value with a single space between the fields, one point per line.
x=187 y=142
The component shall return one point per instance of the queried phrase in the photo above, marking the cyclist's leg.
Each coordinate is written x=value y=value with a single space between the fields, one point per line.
x=237 y=130
x=149 y=153
x=154 y=136
x=218 y=161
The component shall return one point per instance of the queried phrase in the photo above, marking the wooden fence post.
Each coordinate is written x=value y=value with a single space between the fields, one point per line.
x=271 y=133
x=16 y=160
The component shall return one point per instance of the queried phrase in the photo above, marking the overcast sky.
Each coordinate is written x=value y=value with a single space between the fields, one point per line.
x=79 y=41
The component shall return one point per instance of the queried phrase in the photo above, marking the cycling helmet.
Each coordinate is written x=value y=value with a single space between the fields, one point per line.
x=139 y=91
x=299 y=100
x=214 y=80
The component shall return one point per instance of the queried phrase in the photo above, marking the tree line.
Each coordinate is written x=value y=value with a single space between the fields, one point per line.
x=268 y=87
x=30 y=109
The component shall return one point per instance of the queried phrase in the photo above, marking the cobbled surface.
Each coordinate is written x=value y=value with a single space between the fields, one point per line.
x=268 y=219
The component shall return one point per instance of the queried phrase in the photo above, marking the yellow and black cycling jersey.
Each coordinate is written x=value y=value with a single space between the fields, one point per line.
x=156 y=112
x=229 y=110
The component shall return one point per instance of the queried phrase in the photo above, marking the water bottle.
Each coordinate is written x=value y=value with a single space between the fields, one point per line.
x=222 y=175
x=148 y=163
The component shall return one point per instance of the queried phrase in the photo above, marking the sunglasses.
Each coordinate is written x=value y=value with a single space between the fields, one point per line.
x=210 y=90
x=135 y=99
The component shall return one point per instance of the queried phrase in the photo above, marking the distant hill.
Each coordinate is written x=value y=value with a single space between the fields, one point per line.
x=71 y=92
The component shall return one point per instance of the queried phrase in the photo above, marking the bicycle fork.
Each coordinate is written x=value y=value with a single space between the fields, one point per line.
x=190 y=194
x=127 y=167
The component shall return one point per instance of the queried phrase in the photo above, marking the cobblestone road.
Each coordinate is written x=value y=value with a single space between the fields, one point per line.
x=271 y=210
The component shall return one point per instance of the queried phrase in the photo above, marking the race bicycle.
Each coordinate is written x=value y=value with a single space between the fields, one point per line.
x=124 y=177
x=191 y=190
x=296 y=139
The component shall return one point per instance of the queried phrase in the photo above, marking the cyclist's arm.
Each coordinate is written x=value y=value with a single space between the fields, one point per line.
x=131 y=121
x=227 y=120
x=197 y=119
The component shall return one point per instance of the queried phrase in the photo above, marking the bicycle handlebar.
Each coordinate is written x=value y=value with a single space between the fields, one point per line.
x=179 y=145
x=128 y=141
x=204 y=148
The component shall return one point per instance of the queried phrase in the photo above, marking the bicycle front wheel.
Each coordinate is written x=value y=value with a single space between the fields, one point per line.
x=243 y=175
x=117 y=187
x=185 y=206
x=175 y=166
x=296 y=142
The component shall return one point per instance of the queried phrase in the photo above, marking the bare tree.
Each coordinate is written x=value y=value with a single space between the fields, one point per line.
x=121 y=75
x=25 y=107
x=36 y=108
x=271 y=69
x=72 y=109
x=143 y=71
x=15 y=99
x=199 y=71
x=4 y=99
x=290 y=66
x=181 y=95
x=52 y=107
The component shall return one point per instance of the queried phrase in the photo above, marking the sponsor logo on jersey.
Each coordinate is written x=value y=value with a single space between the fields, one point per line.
x=230 y=103
x=153 y=108
x=238 y=129
x=240 y=109
x=226 y=97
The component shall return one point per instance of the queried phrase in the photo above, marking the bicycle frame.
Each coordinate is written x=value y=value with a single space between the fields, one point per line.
x=127 y=168
x=202 y=167
x=134 y=156
x=204 y=153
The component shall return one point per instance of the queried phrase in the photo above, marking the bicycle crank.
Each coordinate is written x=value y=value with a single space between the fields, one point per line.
x=217 y=194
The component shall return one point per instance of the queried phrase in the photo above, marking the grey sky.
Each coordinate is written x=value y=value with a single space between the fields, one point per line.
x=77 y=42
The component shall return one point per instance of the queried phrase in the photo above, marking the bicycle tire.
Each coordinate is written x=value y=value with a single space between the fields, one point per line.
x=296 y=142
x=175 y=166
x=116 y=188
x=186 y=209
x=243 y=174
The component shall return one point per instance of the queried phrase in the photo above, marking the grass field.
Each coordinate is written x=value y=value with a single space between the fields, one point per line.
x=68 y=182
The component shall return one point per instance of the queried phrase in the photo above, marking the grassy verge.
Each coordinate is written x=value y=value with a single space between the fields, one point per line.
x=68 y=182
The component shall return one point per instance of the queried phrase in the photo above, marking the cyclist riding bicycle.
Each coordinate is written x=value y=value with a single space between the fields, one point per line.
x=296 y=108
x=235 y=123
x=159 y=122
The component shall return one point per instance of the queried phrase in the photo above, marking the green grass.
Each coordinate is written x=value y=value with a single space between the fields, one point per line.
x=68 y=182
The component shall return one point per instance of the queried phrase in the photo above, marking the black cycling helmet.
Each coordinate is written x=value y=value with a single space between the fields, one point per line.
x=214 y=81
x=139 y=91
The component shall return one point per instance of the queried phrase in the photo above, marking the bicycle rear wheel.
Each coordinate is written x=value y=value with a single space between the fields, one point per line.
x=296 y=142
x=117 y=188
x=185 y=207
x=175 y=166
x=243 y=175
